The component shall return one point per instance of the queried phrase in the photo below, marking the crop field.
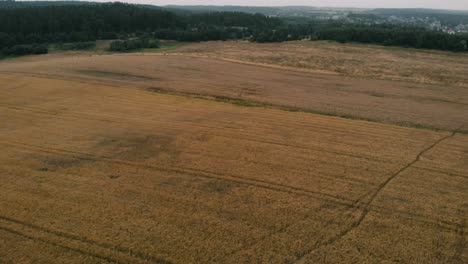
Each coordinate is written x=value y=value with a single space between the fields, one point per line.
x=153 y=158
x=353 y=60
x=402 y=103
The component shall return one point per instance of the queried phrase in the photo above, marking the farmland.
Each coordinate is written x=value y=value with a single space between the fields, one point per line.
x=351 y=60
x=190 y=156
x=410 y=104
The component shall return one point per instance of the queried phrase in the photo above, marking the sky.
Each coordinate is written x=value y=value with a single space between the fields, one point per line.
x=439 y=4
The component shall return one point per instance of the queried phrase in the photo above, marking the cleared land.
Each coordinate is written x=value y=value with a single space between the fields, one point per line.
x=114 y=159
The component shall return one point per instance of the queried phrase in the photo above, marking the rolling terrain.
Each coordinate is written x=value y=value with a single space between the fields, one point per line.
x=184 y=158
x=394 y=102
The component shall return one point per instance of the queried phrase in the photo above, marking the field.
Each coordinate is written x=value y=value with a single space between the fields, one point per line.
x=192 y=158
x=353 y=60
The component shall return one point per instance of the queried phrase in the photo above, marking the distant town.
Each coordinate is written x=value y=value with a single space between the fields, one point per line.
x=429 y=22
x=448 y=21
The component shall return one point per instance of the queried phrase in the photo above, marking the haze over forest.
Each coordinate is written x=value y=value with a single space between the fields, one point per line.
x=448 y=4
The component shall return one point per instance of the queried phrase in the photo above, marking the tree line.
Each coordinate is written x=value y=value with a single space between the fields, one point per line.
x=105 y=21
x=30 y=25
x=388 y=35
x=27 y=28
x=395 y=35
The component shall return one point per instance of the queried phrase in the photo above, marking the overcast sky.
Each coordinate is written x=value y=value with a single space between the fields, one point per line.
x=441 y=4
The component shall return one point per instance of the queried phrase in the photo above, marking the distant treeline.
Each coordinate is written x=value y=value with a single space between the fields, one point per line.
x=80 y=23
x=22 y=4
x=394 y=35
x=389 y=35
x=22 y=28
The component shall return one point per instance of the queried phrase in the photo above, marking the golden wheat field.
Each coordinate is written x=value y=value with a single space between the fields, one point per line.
x=152 y=158
x=401 y=103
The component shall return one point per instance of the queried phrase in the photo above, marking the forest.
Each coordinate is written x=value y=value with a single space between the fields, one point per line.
x=49 y=24
x=386 y=34
x=28 y=28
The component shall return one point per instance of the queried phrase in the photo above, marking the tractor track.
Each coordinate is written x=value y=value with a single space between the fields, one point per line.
x=367 y=206
x=247 y=137
x=129 y=252
x=191 y=172
x=77 y=244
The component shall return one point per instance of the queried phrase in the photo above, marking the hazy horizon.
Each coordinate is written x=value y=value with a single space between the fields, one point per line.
x=435 y=4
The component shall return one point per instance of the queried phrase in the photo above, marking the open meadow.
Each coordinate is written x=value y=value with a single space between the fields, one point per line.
x=197 y=155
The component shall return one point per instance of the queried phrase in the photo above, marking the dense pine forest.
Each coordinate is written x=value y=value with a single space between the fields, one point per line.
x=28 y=27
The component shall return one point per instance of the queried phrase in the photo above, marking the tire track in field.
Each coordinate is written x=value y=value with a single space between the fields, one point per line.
x=77 y=153
x=368 y=204
x=283 y=230
x=55 y=238
x=298 y=190
x=424 y=220
x=74 y=154
x=125 y=86
x=133 y=90
x=76 y=250
x=437 y=223
x=114 y=119
x=318 y=129
x=191 y=172
x=449 y=173
x=235 y=137
x=461 y=244
x=318 y=173
x=105 y=82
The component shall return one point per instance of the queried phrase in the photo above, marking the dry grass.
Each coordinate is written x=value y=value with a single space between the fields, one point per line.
x=112 y=174
x=354 y=60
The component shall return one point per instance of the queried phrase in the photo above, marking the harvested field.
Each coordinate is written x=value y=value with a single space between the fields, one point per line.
x=407 y=104
x=159 y=159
